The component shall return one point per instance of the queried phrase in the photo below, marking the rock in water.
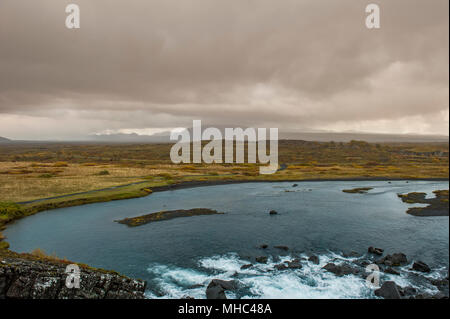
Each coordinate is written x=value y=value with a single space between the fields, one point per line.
x=352 y=254
x=421 y=266
x=285 y=248
x=391 y=271
x=261 y=259
x=339 y=270
x=216 y=288
x=273 y=212
x=294 y=264
x=215 y=292
x=376 y=251
x=281 y=267
x=314 y=259
x=388 y=291
x=398 y=259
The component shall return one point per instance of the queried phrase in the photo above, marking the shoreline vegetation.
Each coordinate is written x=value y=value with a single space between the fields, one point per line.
x=437 y=206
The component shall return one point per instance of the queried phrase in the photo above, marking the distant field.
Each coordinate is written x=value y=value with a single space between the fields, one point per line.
x=33 y=171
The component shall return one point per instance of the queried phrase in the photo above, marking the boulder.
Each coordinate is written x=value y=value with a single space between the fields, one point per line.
x=421 y=266
x=285 y=248
x=295 y=185
x=390 y=270
x=376 y=251
x=407 y=291
x=441 y=284
x=216 y=288
x=388 y=291
x=243 y=267
x=339 y=270
x=273 y=212
x=397 y=259
x=215 y=292
x=352 y=254
x=281 y=267
x=263 y=246
x=314 y=259
x=261 y=259
x=294 y=264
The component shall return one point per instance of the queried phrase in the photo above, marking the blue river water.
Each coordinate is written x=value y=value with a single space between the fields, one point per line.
x=179 y=257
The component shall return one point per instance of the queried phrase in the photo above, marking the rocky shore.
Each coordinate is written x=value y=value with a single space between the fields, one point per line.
x=390 y=266
x=25 y=277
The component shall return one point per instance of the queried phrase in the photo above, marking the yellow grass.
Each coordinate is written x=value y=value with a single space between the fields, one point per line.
x=29 y=172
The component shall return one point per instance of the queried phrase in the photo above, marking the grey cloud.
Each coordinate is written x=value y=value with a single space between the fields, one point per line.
x=293 y=63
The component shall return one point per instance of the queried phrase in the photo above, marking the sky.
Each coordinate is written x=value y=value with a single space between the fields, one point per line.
x=149 y=65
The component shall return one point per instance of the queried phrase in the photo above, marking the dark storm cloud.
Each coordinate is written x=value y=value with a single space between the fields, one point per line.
x=161 y=63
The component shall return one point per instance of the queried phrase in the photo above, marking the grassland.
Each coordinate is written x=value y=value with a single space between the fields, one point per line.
x=88 y=173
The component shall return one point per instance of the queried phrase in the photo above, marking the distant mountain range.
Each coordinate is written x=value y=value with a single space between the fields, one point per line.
x=164 y=137
x=4 y=140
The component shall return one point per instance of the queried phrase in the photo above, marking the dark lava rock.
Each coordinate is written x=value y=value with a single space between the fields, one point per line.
x=215 y=292
x=376 y=251
x=261 y=259
x=281 y=267
x=273 y=212
x=295 y=185
x=421 y=266
x=407 y=291
x=216 y=288
x=390 y=270
x=388 y=291
x=243 y=267
x=397 y=259
x=441 y=284
x=314 y=259
x=285 y=248
x=339 y=270
x=351 y=254
x=295 y=264
x=196 y=286
x=31 y=278
x=264 y=246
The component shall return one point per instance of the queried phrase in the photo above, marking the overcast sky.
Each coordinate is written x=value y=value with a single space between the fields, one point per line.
x=148 y=65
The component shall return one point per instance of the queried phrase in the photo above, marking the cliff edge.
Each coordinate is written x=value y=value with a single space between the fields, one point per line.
x=25 y=277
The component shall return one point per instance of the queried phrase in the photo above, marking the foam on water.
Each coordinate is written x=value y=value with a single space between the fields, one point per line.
x=265 y=281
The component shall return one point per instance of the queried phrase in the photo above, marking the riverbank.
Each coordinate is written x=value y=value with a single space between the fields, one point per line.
x=10 y=212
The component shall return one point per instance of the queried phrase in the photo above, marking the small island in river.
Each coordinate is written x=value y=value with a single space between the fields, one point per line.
x=360 y=190
x=166 y=215
x=437 y=206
